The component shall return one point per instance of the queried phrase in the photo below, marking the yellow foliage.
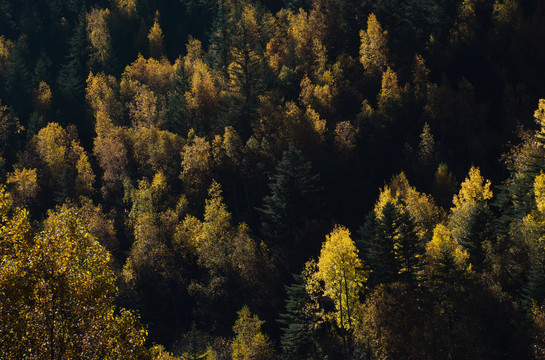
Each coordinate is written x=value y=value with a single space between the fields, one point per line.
x=385 y=196
x=306 y=37
x=444 y=249
x=374 y=47
x=98 y=35
x=465 y=21
x=155 y=39
x=203 y=97
x=125 y=7
x=275 y=54
x=101 y=94
x=52 y=146
x=143 y=106
x=405 y=198
x=64 y=270
x=250 y=343
x=390 y=92
x=507 y=12
x=194 y=54
x=42 y=97
x=157 y=74
x=24 y=185
x=345 y=136
x=340 y=269
x=6 y=46
x=539 y=116
x=196 y=163
x=539 y=191
x=474 y=188
x=319 y=125
x=85 y=176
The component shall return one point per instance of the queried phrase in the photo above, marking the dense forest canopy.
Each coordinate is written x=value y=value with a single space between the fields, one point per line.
x=295 y=179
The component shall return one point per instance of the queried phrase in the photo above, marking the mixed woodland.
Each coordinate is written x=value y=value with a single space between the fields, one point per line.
x=274 y=179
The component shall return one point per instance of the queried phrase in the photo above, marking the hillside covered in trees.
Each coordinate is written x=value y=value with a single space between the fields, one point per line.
x=274 y=179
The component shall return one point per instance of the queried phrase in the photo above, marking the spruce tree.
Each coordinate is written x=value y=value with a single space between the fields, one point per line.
x=18 y=79
x=380 y=246
x=290 y=204
x=299 y=337
x=71 y=79
x=177 y=104
x=391 y=247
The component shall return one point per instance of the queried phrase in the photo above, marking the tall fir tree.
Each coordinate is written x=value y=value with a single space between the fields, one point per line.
x=291 y=202
x=299 y=333
x=71 y=80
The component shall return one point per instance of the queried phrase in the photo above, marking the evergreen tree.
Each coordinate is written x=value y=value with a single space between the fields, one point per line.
x=299 y=336
x=391 y=246
x=245 y=69
x=480 y=235
x=177 y=103
x=18 y=79
x=220 y=40
x=409 y=250
x=378 y=238
x=71 y=80
x=291 y=202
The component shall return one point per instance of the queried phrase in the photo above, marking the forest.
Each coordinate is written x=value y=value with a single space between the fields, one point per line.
x=272 y=179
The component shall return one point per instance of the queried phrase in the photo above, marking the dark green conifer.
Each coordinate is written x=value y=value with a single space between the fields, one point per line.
x=177 y=104
x=299 y=337
x=291 y=202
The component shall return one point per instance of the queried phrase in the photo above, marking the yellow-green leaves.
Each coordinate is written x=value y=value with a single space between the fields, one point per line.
x=474 y=192
x=57 y=292
x=340 y=269
x=98 y=35
x=155 y=38
x=374 y=47
x=250 y=343
x=443 y=249
x=473 y=189
x=539 y=191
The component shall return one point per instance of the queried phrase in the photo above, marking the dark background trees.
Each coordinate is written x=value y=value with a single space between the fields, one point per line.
x=210 y=147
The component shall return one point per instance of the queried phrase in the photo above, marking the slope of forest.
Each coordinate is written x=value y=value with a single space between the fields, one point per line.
x=295 y=179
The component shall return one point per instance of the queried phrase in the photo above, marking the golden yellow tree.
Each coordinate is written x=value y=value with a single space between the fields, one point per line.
x=343 y=277
x=155 y=39
x=23 y=185
x=390 y=93
x=473 y=191
x=98 y=36
x=250 y=343
x=444 y=252
x=374 y=47
x=57 y=292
